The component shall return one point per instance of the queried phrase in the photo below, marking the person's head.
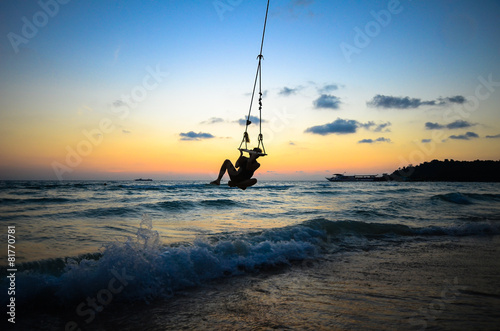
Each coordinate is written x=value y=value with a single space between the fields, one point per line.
x=258 y=150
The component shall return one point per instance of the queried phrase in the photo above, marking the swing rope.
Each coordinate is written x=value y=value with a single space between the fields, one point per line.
x=258 y=77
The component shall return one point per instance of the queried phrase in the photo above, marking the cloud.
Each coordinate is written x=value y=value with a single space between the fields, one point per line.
x=327 y=101
x=253 y=119
x=385 y=101
x=382 y=127
x=126 y=131
x=371 y=141
x=466 y=136
x=433 y=126
x=426 y=140
x=378 y=127
x=328 y=88
x=495 y=136
x=342 y=126
x=456 y=99
x=213 y=120
x=286 y=91
x=339 y=126
x=191 y=135
x=458 y=124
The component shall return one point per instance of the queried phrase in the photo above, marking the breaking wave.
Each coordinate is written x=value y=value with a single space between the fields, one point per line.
x=144 y=269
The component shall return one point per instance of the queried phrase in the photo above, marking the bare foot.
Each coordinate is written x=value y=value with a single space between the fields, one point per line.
x=215 y=182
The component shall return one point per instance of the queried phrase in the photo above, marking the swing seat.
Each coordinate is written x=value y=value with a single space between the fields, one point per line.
x=251 y=151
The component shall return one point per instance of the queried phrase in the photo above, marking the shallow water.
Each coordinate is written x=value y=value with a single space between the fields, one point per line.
x=59 y=219
x=73 y=239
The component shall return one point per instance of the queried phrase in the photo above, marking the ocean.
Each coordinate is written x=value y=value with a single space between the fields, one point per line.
x=297 y=255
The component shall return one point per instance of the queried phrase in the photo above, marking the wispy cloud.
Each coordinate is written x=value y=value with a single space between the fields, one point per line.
x=458 y=124
x=296 y=8
x=495 y=136
x=116 y=54
x=287 y=91
x=191 y=135
x=327 y=88
x=386 y=101
x=371 y=141
x=383 y=127
x=466 y=136
x=426 y=141
x=213 y=120
x=327 y=101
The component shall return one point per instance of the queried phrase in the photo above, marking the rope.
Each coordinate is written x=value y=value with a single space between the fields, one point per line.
x=258 y=77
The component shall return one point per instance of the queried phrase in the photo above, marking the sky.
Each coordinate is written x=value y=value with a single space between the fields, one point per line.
x=159 y=89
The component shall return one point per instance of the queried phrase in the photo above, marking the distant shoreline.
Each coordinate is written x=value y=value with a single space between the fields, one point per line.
x=449 y=171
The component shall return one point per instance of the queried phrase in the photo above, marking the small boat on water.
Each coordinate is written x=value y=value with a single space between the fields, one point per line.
x=143 y=180
x=355 y=178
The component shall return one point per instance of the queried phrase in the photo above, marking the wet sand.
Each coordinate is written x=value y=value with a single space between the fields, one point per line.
x=438 y=285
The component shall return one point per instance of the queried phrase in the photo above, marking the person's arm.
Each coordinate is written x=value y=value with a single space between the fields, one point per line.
x=237 y=164
x=252 y=164
x=253 y=157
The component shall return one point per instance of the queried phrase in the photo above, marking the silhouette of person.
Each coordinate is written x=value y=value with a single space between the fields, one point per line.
x=241 y=177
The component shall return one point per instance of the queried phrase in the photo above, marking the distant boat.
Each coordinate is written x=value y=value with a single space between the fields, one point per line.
x=144 y=180
x=355 y=178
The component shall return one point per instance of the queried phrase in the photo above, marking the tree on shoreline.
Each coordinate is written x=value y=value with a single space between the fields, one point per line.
x=450 y=170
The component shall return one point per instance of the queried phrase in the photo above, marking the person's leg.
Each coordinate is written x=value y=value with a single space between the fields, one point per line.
x=231 y=170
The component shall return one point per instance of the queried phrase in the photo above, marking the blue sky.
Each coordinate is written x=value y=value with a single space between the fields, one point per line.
x=325 y=63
